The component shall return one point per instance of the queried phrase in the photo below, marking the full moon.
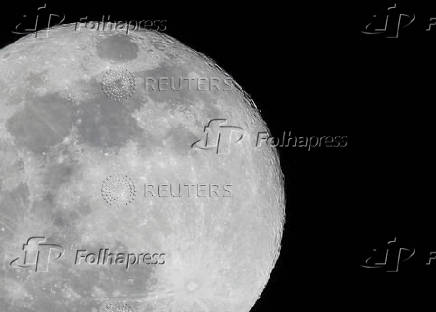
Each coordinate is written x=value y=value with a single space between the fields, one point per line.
x=132 y=178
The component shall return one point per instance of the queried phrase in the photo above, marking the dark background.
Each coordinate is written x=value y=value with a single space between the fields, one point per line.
x=311 y=71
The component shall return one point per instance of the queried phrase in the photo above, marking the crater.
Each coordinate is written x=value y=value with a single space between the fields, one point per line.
x=117 y=48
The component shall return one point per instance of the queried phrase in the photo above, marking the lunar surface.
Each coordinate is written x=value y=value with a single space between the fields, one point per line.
x=130 y=179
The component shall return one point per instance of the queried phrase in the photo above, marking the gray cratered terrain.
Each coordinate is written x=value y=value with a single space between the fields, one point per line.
x=111 y=197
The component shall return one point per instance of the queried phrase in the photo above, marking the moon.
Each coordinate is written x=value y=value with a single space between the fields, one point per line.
x=131 y=178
